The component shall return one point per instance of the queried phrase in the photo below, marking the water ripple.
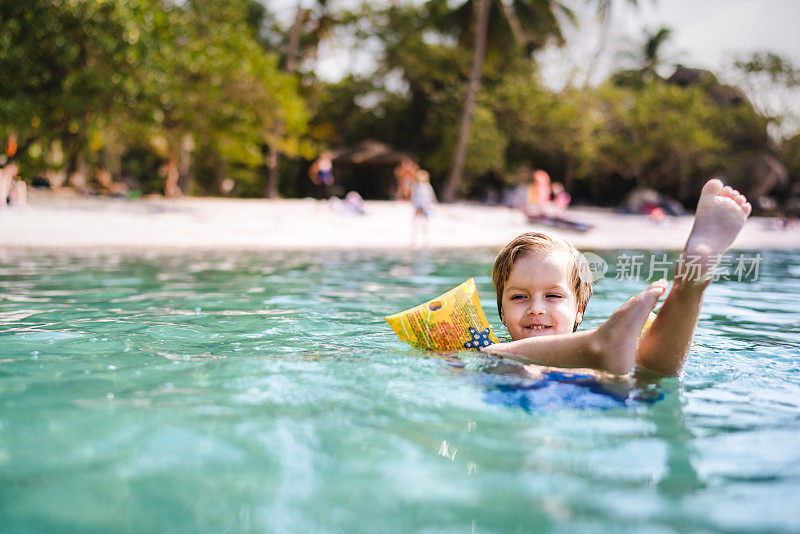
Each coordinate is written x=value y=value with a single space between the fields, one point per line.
x=265 y=392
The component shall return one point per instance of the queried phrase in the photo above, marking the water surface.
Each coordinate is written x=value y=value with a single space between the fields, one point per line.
x=245 y=392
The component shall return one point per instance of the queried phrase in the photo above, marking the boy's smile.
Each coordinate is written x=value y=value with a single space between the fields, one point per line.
x=538 y=298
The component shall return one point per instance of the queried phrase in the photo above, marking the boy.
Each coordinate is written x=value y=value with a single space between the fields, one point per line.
x=541 y=297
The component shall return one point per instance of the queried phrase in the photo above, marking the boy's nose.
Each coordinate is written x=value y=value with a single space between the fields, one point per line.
x=536 y=307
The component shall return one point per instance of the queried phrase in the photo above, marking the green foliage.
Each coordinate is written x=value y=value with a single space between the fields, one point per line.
x=485 y=152
x=790 y=154
x=92 y=75
x=516 y=26
x=541 y=125
x=136 y=83
x=663 y=137
x=140 y=164
x=64 y=68
x=654 y=135
x=779 y=69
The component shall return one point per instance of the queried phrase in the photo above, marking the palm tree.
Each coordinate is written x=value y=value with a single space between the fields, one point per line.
x=652 y=51
x=526 y=25
x=455 y=178
x=646 y=56
x=604 y=10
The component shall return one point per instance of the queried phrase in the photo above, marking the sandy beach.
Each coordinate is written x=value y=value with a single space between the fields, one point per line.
x=67 y=221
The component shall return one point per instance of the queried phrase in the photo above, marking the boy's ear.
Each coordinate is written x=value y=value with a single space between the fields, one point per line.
x=579 y=318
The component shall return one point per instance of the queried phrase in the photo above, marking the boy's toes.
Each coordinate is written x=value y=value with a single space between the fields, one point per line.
x=747 y=208
x=712 y=187
x=727 y=192
x=659 y=286
x=742 y=199
x=654 y=291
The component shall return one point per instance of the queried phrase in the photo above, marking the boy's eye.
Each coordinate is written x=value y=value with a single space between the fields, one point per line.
x=517 y=297
x=554 y=295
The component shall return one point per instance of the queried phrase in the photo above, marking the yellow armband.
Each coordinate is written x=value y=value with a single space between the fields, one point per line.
x=452 y=321
x=647 y=323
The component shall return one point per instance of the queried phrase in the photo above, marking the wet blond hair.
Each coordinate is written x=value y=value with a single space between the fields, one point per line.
x=532 y=242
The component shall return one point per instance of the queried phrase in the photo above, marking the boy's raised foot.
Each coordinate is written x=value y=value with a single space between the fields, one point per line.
x=720 y=215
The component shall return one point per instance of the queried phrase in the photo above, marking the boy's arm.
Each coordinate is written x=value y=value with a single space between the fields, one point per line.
x=611 y=347
x=563 y=350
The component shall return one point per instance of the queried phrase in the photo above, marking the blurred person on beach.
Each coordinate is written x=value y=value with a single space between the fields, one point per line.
x=645 y=201
x=8 y=170
x=321 y=174
x=405 y=174
x=353 y=204
x=561 y=199
x=8 y=181
x=18 y=194
x=423 y=199
x=537 y=199
x=106 y=182
x=171 y=173
x=543 y=286
x=77 y=180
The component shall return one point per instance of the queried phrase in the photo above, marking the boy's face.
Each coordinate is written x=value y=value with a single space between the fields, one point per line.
x=538 y=298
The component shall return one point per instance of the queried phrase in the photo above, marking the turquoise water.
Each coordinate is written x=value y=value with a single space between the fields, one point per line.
x=245 y=392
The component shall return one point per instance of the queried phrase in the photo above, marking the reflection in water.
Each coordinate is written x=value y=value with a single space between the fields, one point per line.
x=680 y=478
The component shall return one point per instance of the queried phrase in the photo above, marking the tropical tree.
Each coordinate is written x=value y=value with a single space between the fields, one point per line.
x=646 y=58
x=500 y=28
x=550 y=127
x=660 y=136
x=772 y=83
x=94 y=77
x=790 y=154
x=309 y=28
x=603 y=17
x=65 y=71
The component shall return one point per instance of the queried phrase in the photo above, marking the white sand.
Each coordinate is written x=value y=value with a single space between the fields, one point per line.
x=54 y=221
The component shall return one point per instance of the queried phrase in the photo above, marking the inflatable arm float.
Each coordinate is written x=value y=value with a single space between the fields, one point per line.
x=452 y=321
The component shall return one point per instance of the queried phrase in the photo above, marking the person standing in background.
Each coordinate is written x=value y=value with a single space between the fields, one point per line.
x=423 y=198
x=405 y=174
x=321 y=174
x=537 y=199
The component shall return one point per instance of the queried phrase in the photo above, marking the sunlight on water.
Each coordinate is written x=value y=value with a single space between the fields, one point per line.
x=245 y=392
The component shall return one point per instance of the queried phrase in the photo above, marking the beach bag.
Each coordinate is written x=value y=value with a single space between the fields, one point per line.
x=452 y=321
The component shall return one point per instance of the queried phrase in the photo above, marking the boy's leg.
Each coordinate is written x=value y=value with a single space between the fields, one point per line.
x=721 y=213
x=610 y=347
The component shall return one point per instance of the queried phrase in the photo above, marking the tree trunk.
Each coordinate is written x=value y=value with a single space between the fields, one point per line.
x=293 y=44
x=453 y=184
x=273 y=160
x=289 y=66
x=569 y=172
x=172 y=169
x=76 y=164
x=185 y=169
